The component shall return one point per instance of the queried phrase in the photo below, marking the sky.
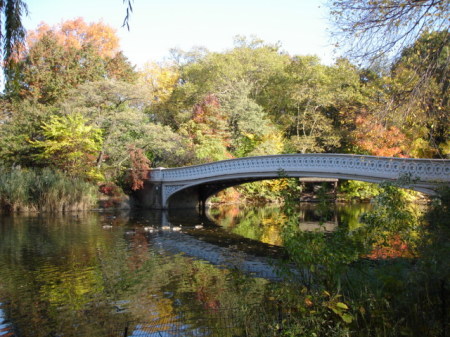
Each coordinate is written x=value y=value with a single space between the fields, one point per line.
x=156 y=26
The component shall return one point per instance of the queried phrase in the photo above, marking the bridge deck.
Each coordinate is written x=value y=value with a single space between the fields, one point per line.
x=201 y=181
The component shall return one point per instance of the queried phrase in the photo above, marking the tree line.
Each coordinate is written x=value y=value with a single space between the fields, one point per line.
x=74 y=103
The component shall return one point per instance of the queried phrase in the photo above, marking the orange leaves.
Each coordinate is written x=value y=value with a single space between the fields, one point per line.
x=206 y=109
x=377 y=139
x=78 y=34
x=395 y=247
x=209 y=112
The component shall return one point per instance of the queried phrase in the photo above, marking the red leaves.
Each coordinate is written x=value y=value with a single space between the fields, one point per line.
x=206 y=109
x=140 y=167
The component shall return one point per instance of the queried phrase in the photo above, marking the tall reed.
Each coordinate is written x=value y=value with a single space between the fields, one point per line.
x=44 y=190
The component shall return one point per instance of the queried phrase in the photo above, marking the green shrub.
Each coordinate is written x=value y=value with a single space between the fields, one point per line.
x=358 y=190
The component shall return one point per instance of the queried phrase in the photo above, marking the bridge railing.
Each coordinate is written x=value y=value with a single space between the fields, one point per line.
x=427 y=170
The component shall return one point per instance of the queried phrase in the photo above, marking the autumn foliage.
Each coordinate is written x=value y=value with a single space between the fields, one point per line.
x=78 y=34
x=140 y=167
x=208 y=112
x=377 y=139
x=395 y=247
x=206 y=109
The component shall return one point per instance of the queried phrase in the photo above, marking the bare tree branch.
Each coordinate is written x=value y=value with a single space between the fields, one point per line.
x=128 y=13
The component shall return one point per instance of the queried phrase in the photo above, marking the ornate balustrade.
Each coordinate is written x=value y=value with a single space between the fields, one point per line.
x=426 y=173
x=383 y=167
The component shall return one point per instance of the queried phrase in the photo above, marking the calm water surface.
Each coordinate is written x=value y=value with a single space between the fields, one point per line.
x=143 y=273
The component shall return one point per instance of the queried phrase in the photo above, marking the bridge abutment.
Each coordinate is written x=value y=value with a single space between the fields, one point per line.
x=149 y=197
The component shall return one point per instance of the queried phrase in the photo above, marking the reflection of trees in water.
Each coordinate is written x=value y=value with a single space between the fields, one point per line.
x=70 y=276
x=257 y=223
x=266 y=223
x=167 y=291
x=49 y=276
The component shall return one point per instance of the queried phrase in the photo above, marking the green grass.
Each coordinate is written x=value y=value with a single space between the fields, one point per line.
x=44 y=190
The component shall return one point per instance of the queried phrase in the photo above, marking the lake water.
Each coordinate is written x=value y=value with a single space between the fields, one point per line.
x=148 y=273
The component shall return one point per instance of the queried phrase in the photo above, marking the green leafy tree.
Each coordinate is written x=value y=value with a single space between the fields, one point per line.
x=119 y=68
x=208 y=130
x=118 y=109
x=247 y=122
x=21 y=124
x=70 y=145
x=394 y=222
x=314 y=98
x=49 y=70
x=424 y=112
x=56 y=59
x=216 y=101
x=221 y=74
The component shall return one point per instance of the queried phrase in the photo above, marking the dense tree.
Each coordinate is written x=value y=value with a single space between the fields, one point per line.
x=374 y=138
x=70 y=144
x=310 y=102
x=159 y=82
x=207 y=129
x=426 y=111
x=119 y=68
x=58 y=58
x=413 y=36
x=50 y=70
x=20 y=125
x=309 y=128
x=215 y=100
x=251 y=131
x=78 y=34
x=118 y=109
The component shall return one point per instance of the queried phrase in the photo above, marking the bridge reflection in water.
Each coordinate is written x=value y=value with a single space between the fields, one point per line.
x=230 y=248
x=5 y=327
x=177 y=231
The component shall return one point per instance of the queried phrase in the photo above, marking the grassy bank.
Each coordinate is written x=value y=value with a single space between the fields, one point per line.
x=45 y=190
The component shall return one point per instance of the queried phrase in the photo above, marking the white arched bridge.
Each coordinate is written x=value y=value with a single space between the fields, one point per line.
x=191 y=186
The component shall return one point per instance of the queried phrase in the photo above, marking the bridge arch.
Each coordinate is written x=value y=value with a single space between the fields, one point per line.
x=188 y=186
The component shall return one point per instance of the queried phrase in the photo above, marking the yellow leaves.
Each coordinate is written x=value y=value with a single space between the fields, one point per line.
x=420 y=148
x=160 y=81
x=339 y=308
x=445 y=148
x=70 y=144
x=267 y=144
x=248 y=135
